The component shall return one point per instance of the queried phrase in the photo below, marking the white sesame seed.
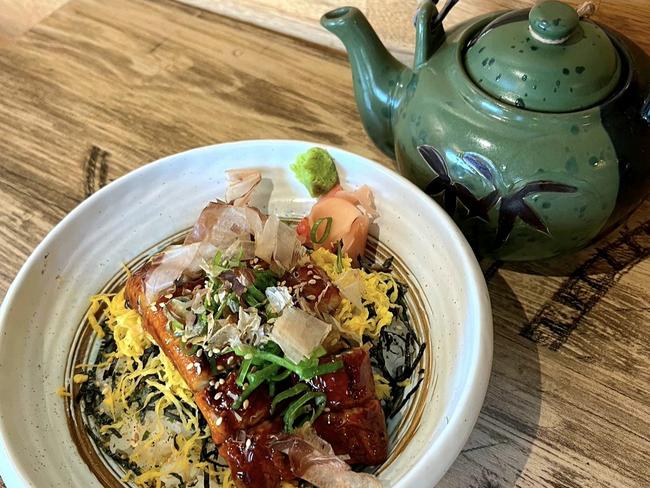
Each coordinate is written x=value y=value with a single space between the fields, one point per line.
x=211 y=383
x=312 y=282
x=248 y=444
x=311 y=297
x=256 y=260
x=310 y=266
x=282 y=283
x=246 y=404
x=317 y=277
x=216 y=350
x=219 y=421
x=218 y=395
x=237 y=416
x=189 y=366
x=310 y=272
x=199 y=352
x=222 y=381
x=230 y=359
x=169 y=295
x=327 y=409
x=210 y=354
x=220 y=367
x=198 y=368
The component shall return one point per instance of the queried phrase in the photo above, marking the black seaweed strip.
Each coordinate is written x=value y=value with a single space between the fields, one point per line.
x=390 y=342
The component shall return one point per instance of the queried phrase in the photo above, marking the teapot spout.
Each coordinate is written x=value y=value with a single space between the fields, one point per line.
x=376 y=74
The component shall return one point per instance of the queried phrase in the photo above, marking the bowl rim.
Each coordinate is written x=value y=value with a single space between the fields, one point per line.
x=470 y=401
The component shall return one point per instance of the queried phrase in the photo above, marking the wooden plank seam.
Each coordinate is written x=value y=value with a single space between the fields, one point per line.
x=95 y=170
x=554 y=323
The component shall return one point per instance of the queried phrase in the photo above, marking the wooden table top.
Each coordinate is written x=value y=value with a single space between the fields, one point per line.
x=95 y=91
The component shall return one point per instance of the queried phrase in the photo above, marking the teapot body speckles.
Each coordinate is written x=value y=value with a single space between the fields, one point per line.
x=521 y=184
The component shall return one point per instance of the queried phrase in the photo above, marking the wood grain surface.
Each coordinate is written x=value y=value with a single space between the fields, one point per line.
x=18 y=16
x=300 y=18
x=393 y=18
x=96 y=90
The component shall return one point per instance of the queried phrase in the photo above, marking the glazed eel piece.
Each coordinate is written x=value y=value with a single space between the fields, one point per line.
x=213 y=384
x=195 y=371
x=353 y=424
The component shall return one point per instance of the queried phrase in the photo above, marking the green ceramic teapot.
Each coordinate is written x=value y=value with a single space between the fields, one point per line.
x=530 y=127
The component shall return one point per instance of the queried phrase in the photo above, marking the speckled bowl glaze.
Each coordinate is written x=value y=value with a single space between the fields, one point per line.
x=132 y=217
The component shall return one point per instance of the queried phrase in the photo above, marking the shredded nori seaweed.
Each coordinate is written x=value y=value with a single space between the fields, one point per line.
x=397 y=351
x=121 y=458
x=181 y=482
x=371 y=267
x=90 y=398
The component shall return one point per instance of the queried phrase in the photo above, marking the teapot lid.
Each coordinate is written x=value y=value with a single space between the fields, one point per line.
x=550 y=61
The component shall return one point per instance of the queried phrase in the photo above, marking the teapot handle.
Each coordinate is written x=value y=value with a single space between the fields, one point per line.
x=429 y=33
x=445 y=10
x=422 y=21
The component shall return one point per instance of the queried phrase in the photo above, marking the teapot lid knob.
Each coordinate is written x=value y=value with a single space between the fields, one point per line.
x=552 y=22
x=546 y=59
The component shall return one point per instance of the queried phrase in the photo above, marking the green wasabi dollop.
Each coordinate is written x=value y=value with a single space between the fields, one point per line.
x=316 y=170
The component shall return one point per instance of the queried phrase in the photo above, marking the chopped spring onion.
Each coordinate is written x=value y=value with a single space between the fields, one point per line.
x=254 y=381
x=339 y=256
x=326 y=232
x=221 y=264
x=328 y=368
x=297 y=389
x=254 y=296
x=177 y=327
x=222 y=306
x=299 y=407
x=243 y=371
x=264 y=279
x=305 y=369
x=281 y=376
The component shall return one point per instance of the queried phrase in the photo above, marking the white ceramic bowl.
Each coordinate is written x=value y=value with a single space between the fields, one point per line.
x=48 y=298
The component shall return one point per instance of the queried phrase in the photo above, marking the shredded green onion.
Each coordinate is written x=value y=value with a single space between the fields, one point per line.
x=339 y=256
x=326 y=232
x=254 y=381
x=299 y=407
x=176 y=325
x=297 y=389
x=243 y=371
x=328 y=368
x=275 y=368
x=253 y=294
x=223 y=305
x=281 y=376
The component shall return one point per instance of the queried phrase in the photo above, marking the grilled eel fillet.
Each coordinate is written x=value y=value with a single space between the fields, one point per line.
x=213 y=396
x=353 y=424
